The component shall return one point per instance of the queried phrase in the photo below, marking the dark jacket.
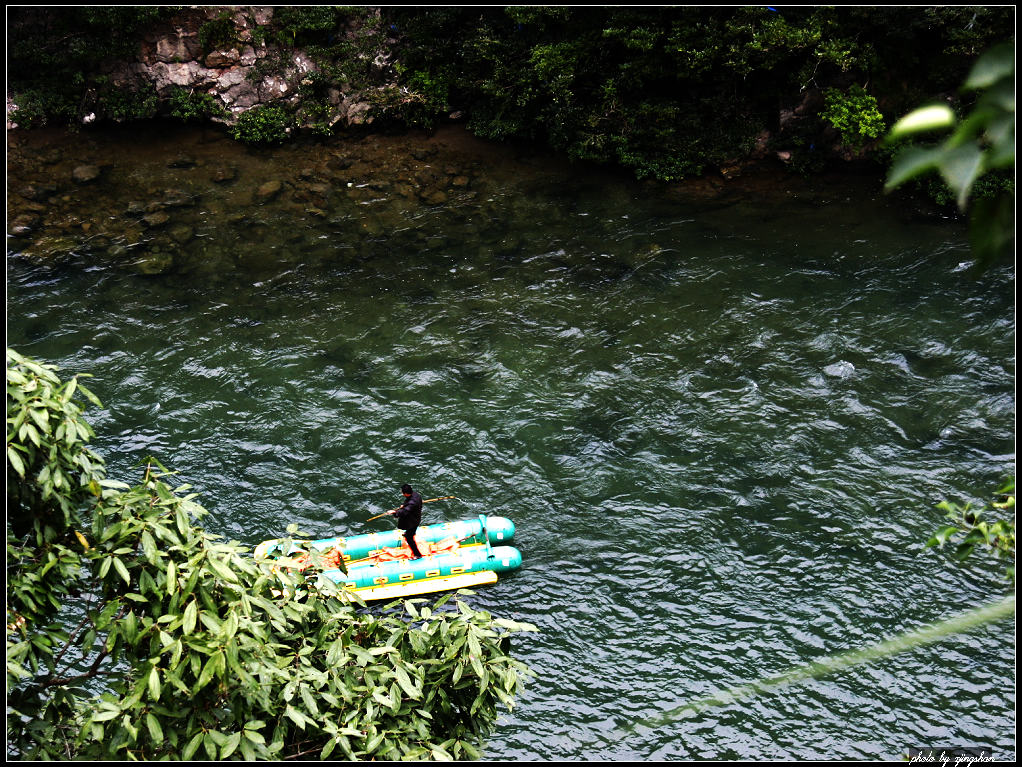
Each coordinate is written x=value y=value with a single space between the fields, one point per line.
x=410 y=515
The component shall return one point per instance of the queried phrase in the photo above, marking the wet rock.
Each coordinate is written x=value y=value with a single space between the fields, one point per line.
x=249 y=56
x=433 y=197
x=460 y=181
x=33 y=207
x=158 y=218
x=132 y=236
x=268 y=191
x=85 y=174
x=214 y=254
x=182 y=161
x=51 y=156
x=370 y=226
x=181 y=233
x=316 y=193
x=155 y=263
x=406 y=190
x=224 y=175
x=731 y=171
x=38 y=192
x=177 y=198
x=51 y=246
x=23 y=225
x=224 y=58
x=136 y=208
x=339 y=163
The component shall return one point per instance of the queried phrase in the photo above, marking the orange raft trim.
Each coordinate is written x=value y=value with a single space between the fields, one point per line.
x=332 y=558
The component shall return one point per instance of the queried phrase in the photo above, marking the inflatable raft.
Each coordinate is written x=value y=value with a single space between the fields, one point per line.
x=379 y=565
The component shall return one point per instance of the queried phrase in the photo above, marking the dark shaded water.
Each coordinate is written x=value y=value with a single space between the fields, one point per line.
x=720 y=422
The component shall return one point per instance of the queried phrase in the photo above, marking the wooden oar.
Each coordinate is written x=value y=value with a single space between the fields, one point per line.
x=445 y=498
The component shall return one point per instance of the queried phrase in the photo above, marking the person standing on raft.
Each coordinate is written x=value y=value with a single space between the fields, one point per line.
x=409 y=516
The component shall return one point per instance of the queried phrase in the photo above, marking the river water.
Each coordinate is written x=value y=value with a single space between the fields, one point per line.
x=720 y=416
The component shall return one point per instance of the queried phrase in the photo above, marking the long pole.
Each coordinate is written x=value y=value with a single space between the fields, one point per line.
x=445 y=498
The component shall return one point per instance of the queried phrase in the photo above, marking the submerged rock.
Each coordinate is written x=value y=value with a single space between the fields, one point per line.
x=22 y=226
x=84 y=174
x=434 y=197
x=155 y=263
x=159 y=218
x=181 y=233
x=224 y=175
x=268 y=191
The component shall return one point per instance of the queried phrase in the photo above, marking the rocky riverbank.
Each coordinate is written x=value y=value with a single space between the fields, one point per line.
x=226 y=54
x=160 y=198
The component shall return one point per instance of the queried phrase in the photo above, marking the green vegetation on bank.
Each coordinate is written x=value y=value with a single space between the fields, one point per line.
x=56 y=60
x=132 y=633
x=666 y=92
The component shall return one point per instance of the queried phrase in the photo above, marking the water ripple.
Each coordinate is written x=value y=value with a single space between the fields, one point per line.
x=720 y=431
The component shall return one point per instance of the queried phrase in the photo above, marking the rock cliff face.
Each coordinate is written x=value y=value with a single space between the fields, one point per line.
x=243 y=69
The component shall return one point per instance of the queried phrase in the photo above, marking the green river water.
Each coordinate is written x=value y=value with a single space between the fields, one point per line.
x=720 y=418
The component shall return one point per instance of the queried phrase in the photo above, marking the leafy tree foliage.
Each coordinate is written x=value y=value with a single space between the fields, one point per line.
x=982 y=144
x=665 y=92
x=56 y=56
x=854 y=113
x=181 y=646
x=669 y=91
x=972 y=532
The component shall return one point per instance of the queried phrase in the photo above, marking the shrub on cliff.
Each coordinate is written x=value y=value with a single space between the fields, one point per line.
x=268 y=124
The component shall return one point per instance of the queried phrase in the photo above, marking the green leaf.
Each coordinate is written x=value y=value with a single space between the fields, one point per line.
x=475 y=654
x=911 y=163
x=121 y=570
x=222 y=570
x=208 y=672
x=154 y=684
x=153 y=725
x=210 y=745
x=41 y=417
x=190 y=615
x=992 y=66
x=149 y=547
x=171 y=577
x=231 y=745
x=309 y=700
x=991 y=230
x=960 y=168
x=406 y=684
x=69 y=391
x=192 y=747
x=940 y=537
x=328 y=748
x=182 y=522
x=295 y=716
x=15 y=461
